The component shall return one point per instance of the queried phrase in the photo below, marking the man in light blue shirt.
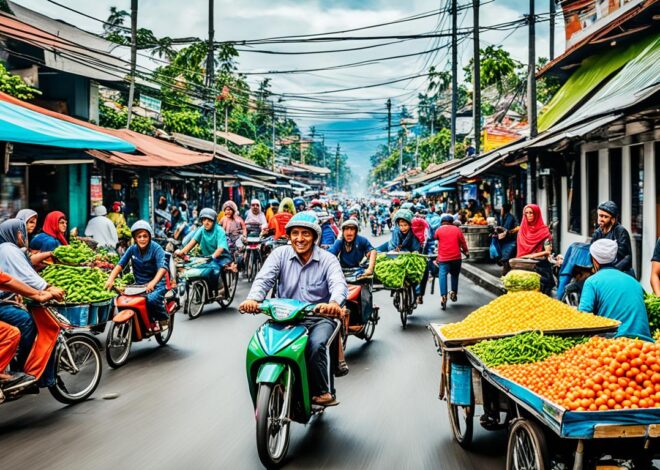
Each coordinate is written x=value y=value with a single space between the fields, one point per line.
x=307 y=273
x=613 y=294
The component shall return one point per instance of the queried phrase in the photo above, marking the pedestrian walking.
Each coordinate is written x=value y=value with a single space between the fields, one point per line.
x=451 y=243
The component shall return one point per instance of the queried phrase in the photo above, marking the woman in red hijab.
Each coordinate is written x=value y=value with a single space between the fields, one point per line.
x=52 y=233
x=535 y=242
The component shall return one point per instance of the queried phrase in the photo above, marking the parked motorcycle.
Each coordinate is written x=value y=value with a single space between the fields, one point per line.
x=363 y=315
x=77 y=359
x=278 y=377
x=204 y=285
x=132 y=322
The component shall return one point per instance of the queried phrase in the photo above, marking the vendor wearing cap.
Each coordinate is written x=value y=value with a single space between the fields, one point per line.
x=305 y=272
x=352 y=248
x=611 y=229
x=613 y=294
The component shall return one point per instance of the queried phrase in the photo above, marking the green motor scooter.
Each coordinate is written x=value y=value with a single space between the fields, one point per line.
x=278 y=378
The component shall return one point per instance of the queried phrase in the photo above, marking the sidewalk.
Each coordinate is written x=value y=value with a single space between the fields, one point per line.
x=485 y=274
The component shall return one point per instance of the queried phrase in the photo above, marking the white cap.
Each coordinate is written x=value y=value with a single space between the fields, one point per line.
x=604 y=251
x=100 y=210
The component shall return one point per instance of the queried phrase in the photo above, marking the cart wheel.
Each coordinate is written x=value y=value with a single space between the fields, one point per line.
x=461 y=418
x=403 y=307
x=527 y=449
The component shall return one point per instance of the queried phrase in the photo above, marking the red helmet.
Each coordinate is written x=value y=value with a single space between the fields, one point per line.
x=396 y=201
x=315 y=202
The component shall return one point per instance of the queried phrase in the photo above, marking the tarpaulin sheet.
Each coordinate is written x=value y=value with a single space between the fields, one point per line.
x=22 y=125
x=586 y=78
x=576 y=255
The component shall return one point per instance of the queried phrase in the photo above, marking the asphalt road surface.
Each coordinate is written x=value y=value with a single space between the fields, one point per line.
x=187 y=406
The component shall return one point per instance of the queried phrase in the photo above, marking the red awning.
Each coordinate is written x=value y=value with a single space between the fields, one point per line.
x=155 y=152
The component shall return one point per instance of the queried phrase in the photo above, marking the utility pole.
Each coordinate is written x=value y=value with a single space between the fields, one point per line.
x=553 y=12
x=432 y=119
x=531 y=73
x=302 y=157
x=454 y=77
x=323 y=149
x=209 y=58
x=273 y=137
x=389 y=125
x=476 y=93
x=401 y=155
x=131 y=89
x=337 y=167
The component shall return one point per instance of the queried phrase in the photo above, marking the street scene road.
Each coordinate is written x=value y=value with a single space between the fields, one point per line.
x=186 y=405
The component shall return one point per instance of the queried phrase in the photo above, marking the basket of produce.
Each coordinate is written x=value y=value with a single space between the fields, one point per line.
x=393 y=273
x=519 y=312
x=518 y=280
x=87 y=302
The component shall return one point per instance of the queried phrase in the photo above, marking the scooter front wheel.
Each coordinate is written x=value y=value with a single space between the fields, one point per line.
x=118 y=343
x=163 y=337
x=272 y=425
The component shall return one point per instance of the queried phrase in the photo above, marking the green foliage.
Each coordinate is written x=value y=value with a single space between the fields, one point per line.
x=113 y=119
x=15 y=86
x=497 y=68
x=434 y=149
x=261 y=155
x=187 y=122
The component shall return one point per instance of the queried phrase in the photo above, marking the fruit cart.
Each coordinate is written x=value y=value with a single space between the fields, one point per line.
x=540 y=430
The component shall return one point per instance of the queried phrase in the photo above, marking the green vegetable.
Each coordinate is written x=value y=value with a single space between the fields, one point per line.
x=518 y=280
x=523 y=348
x=81 y=284
x=394 y=272
x=652 y=303
x=75 y=253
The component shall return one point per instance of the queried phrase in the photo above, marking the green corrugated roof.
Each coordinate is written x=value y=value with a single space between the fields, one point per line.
x=588 y=76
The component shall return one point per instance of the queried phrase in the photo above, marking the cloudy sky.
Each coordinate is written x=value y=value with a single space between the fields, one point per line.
x=354 y=118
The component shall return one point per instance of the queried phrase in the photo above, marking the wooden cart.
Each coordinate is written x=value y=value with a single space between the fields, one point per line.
x=542 y=434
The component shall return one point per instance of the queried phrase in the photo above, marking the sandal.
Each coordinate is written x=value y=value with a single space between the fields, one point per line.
x=443 y=302
x=453 y=296
x=342 y=369
x=420 y=300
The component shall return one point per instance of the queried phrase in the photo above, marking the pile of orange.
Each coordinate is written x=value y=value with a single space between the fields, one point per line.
x=599 y=375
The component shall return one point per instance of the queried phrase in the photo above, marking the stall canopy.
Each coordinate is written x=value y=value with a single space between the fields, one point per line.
x=22 y=125
x=438 y=186
x=155 y=152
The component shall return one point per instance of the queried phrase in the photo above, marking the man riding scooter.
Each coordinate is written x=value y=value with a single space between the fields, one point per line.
x=305 y=272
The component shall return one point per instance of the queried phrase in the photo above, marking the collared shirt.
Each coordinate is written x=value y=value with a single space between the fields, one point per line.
x=319 y=281
x=613 y=294
x=14 y=262
x=147 y=263
x=351 y=259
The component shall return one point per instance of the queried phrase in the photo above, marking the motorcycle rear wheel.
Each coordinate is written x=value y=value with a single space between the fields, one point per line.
x=197 y=298
x=256 y=266
x=87 y=360
x=272 y=436
x=118 y=343
x=232 y=282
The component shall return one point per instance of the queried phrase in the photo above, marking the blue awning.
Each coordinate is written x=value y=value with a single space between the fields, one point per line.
x=437 y=186
x=22 y=125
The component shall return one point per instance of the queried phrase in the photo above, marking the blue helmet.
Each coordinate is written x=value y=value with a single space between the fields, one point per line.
x=403 y=214
x=142 y=225
x=208 y=213
x=307 y=219
x=298 y=202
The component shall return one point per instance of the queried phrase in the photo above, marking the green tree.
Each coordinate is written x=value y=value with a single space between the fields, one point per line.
x=261 y=154
x=15 y=86
x=497 y=68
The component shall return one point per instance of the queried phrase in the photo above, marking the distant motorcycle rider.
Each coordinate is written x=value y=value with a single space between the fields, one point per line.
x=305 y=272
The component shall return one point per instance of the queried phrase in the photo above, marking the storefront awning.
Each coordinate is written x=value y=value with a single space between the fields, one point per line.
x=155 y=152
x=25 y=126
x=550 y=138
x=438 y=186
x=593 y=71
x=234 y=138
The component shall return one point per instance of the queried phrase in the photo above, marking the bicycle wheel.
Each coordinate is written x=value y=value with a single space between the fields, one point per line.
x=461 y=419
x=527 y=448
x=403 y=308
x=78 y=369
x=197 y=298
x=232 y=282
x=163 y=337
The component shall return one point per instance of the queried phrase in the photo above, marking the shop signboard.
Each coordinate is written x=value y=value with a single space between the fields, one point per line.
x=96 y=190
x=152 y=104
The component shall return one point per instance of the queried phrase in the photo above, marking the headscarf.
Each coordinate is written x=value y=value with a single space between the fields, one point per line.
x=232 y=205
x=9 y=231
x=25 y=215
x=287 y=204
x=531 y=235
x=603 y=250
x=52 y=226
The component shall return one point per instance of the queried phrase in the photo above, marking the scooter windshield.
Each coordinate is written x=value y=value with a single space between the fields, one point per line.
x=282 y=310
